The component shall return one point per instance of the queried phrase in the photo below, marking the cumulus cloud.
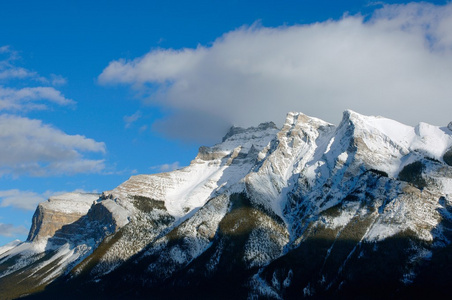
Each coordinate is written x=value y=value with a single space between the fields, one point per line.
x=30 y=98
x=30 y=147
x=20 y=199
x=37 y=149
x=10 y=71
x=15 y=73
x=10 y=230
x=396 y=62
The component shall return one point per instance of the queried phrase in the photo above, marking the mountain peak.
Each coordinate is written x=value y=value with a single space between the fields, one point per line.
x=299 y=118
x=351 y=116
x=366 y=203
x=235 y=130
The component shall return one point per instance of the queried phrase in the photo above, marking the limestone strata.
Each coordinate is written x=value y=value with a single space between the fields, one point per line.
x=52 y=215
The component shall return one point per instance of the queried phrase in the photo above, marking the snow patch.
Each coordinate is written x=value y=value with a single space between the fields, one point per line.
x=347 y=212
x=78 y=203
x=120 y=215
x=9 y=246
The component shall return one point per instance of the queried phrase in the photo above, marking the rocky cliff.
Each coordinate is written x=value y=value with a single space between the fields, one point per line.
x=58 y=211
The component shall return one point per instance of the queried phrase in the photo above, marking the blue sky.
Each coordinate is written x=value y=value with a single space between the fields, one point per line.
x=92 y=92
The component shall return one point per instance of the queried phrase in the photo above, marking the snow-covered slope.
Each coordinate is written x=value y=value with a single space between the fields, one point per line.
x=212 y=171
x=311 y=209
x=9 y=246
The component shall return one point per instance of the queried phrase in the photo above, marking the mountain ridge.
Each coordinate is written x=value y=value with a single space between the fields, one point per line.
x=266 y=211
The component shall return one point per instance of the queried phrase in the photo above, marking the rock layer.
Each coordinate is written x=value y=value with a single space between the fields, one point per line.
x=58 y=211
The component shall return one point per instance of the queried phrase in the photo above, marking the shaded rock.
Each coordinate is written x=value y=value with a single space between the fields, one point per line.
x=448 y=156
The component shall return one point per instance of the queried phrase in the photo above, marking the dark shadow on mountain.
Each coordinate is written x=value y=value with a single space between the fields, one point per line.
x=435 y=273
x=447 y=157
x=324 y=266
x=132 y=279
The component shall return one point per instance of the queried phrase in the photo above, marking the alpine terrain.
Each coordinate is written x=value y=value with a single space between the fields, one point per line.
x=309 y=210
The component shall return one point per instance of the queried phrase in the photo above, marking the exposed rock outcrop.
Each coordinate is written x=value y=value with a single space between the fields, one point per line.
x=52 y=215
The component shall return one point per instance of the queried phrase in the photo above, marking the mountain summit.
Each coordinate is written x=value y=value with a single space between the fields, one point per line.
x=362 y=209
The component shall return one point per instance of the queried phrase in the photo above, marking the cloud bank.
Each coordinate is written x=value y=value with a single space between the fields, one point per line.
x=33 y=148
x=25 y=200
x=29 y=146
x=396 y=62
x=9 y=230
x=30 y=98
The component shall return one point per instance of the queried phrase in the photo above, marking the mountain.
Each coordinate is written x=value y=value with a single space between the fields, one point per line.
x=311 y=210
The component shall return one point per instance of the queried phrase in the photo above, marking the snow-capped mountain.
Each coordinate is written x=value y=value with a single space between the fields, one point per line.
x=309 y=210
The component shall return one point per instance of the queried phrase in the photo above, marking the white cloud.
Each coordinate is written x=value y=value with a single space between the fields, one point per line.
x=16 y=73
x=131 y=119
x=396 y=63
x=9 y=71
x=30 y=98
x=20 y=199
x=10 y=230
x=10 y=54
x=57 y=80
x=33 y=148
x=30 y=147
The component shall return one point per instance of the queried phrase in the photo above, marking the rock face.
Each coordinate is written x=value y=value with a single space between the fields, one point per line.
x=58 y=211
x=308 y=210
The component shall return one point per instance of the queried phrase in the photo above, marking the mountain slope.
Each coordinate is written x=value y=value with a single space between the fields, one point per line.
x=308 y=210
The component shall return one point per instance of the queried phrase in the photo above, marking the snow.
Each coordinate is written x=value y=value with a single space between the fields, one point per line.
x=261 y=289
x=343 y=157
x=296 y=147
x=67 y=255
x=74 y=249
x=431 y=140
x=198 y=183
x=382 y=230
x=347 y=212
x=78 y=203
x=328 y=148
x=28 y=252
x=190 y=188
x=25 y=248
x=418 y=213
x=399 y=133
x=9 y=246
x=446 y=185
x=392 y=140
x=119 y=214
